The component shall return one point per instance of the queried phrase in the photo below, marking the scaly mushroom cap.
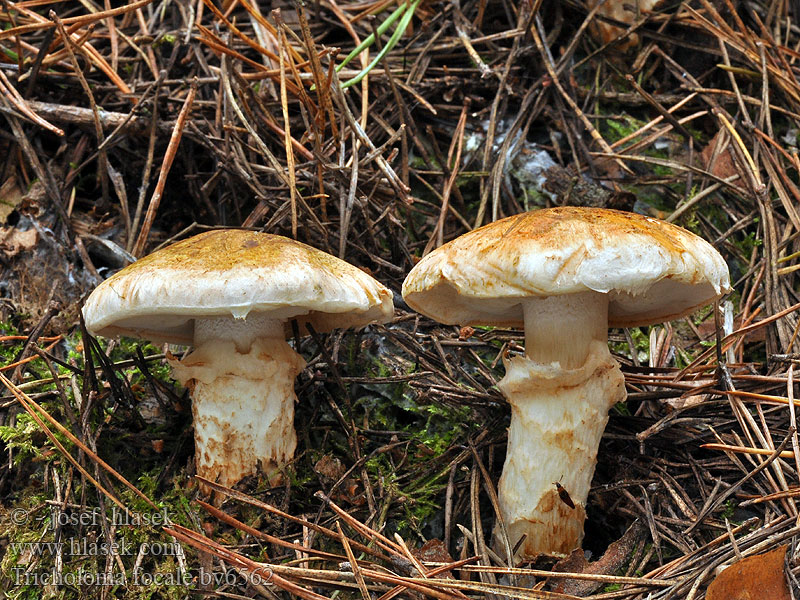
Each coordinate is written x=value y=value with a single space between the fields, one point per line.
x=233 y=273
x=653 y=271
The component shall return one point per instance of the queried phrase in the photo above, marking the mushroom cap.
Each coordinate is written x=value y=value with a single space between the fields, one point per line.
x=232 y=272
x=653 y=271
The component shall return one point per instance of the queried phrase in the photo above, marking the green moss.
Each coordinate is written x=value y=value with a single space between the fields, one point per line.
x=24 y=439
x=641 y=343
x=619 y=127
x=727 y=512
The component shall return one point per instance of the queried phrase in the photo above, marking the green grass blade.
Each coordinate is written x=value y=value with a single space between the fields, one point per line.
x=398 y=33
x=370 y=39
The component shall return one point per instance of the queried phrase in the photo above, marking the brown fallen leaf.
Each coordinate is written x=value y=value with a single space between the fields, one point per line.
x=13 y=241
x=723 y=166
x=614 y=558
x=686 y=401
x=706 y=329
x=620 y=10
x=432 y=551
x=10 y=197
x=330 y=468
x=752 y=578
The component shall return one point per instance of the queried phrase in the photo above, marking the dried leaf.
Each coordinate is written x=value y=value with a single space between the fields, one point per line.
x=10 y=196
x=432 y=551
x=723 y=165
x=329 y=467
x=13 y=241
x=619 y=10
x=752 y=578
x=686 y=401
x=614 y=558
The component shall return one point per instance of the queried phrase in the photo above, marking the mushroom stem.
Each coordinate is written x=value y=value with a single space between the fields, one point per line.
x=560 y=394
x=241 y=376
x=560 y=328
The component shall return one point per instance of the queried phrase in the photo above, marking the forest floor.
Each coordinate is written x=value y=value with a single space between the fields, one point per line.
x=126 y=127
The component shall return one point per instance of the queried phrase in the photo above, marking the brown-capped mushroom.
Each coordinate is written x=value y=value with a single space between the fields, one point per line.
x=230 y=294
x=565 y=274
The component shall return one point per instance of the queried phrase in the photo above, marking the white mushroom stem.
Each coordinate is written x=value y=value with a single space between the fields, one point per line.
x=560 y=394
x=241 y=376
x=561 y=328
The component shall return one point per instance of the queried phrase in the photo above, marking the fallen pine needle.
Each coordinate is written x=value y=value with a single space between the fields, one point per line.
x=746 y=450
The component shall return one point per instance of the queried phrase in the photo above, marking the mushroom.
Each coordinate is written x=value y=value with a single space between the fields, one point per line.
x=230 y=294
x=565 y=274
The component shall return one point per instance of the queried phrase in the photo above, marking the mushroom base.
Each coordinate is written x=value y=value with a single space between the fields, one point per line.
x=242 y=406
x=558 y=418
